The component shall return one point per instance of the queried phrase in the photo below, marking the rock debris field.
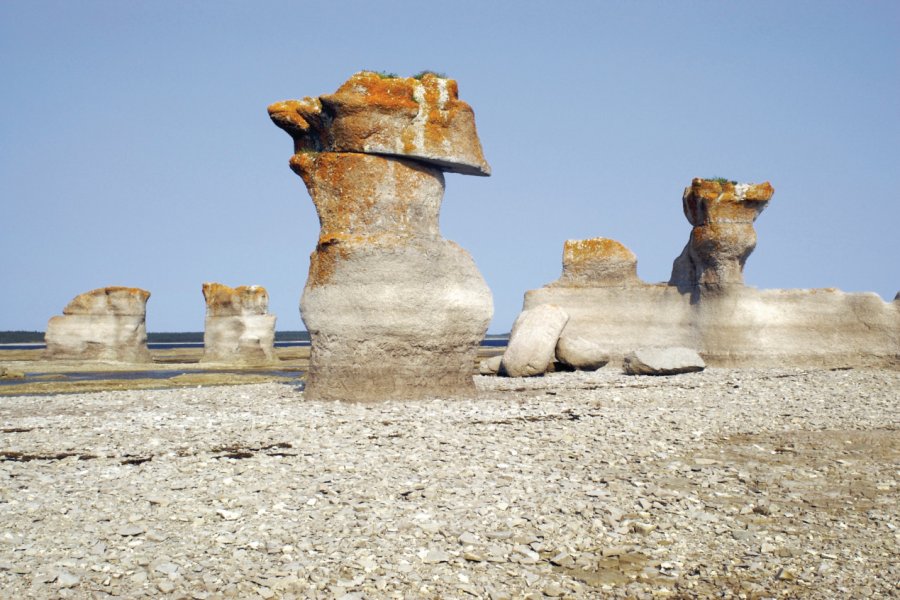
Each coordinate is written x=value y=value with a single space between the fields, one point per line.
x=726 y=483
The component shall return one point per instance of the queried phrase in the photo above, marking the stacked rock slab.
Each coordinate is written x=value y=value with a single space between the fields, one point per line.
x=238 y=326
x=106 y=324
x=705 y=305
x=394 y=310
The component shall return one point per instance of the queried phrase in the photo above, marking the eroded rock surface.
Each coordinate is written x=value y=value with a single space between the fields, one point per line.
x=706 y=306
x=238 y=326
x=423 y=119
x=107 y=324
x=723 y=236
x=394 y=310
x=597 y=262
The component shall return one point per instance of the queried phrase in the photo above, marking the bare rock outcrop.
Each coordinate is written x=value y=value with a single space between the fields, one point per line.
x=706 y=306
x=238 y=326
x=597 y=262
x=722 y=213
x=106 y=324
x=394 y=310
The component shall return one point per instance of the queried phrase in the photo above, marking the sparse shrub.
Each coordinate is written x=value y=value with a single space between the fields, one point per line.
x=422 y=74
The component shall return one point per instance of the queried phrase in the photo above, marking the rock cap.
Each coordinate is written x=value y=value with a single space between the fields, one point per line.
x=113 y=300
x=418 y=118
x=222 y=300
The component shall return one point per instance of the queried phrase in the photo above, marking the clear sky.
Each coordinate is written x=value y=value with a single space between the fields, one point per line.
x=135 y=148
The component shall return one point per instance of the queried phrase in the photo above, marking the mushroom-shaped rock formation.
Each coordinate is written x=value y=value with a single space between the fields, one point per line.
x=106 y=324
x=394 y=310
x=722 y=213
x=238 y=327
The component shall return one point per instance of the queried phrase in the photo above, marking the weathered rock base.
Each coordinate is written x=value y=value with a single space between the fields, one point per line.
x=239 y=339
x=745 y=327
x=415 y=338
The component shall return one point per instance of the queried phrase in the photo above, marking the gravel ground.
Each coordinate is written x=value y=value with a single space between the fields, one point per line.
x=726 y=483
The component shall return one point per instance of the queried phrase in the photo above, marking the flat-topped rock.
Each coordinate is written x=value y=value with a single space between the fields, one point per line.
x=420 y=118
x=597 y=262
x=238 y=328
x=663 y=361
x=113 y=300
x=106 y=324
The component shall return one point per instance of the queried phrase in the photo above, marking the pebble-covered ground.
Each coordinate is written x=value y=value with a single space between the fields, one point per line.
x=726 y=483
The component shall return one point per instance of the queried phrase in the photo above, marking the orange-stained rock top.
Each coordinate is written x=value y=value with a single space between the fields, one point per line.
x=708 y=201
x=422 y=119
x=597 y=262
x=222 y=300
x=113 y=300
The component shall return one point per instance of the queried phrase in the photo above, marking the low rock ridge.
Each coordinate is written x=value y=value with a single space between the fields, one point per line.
x=238 y=327
x=705 y=304
x=105 y=324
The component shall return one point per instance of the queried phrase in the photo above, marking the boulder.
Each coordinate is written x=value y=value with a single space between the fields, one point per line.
x=580 y=353
x=107 y=324
x=490 y=366
x=597 y=262
x=722 y=213
x=532 y=342
x=238 y=328
x=663 y=361
x=394 y=310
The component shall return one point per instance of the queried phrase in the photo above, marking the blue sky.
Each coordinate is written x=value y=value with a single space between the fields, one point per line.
x=136 y=149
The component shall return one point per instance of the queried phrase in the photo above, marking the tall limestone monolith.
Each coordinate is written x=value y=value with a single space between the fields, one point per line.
x=106 y=324
x=394 y=310
x=238 y=326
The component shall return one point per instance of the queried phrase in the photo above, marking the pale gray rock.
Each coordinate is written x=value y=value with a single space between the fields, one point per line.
x=238 y=326
x=490 y=366
x=532 y=341
x=705 y=304
x=663 y=361
x=106 y=324
x=580 y=353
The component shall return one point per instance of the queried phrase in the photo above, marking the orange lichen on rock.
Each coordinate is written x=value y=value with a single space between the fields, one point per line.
x=114 y=300
x=597 y=262
x=723 y=236
x=707 y=201
x=422 y=119
x=222 y=300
